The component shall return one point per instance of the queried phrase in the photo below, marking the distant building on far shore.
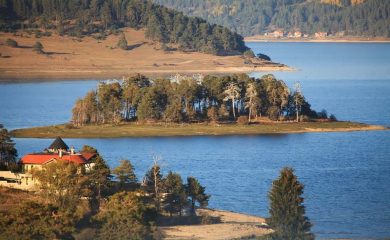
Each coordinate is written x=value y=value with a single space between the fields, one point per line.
x=57 y=151
x=275 y=34
x=320 y=34
x=298 y=34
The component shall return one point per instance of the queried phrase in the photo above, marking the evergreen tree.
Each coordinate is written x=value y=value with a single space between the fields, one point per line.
x=197 y=193
x=99 y=178
x=153 y=183
x=125 y=173
x=174 y=111
x=287 y=212
x=176 y=195
x=38 y=48
x=122 y=42
x=8 y=152
x=126 y=216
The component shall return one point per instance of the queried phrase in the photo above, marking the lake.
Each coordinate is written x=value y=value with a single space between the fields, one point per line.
x=346 y=175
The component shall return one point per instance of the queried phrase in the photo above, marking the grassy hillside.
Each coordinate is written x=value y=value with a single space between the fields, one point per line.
x=67 y=57
x=101 y=18
x=368 y=18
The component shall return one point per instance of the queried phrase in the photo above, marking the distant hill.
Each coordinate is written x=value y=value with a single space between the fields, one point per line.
x=100 y=18
x=368 y=18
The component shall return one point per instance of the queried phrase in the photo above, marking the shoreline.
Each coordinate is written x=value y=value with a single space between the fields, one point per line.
x=15 y=76
x=232 y=226
x=254 y=40
x=134 y=130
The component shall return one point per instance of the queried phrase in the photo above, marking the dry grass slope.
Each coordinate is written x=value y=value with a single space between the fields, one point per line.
x=165 y=130
x=88 y=58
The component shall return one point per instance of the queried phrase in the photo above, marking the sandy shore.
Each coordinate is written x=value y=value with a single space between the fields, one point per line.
x=88 y=58
x=232 y=226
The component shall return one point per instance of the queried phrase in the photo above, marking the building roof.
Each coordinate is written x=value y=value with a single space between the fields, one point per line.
x=88 y=155
x=42 y=158
x=58 y=144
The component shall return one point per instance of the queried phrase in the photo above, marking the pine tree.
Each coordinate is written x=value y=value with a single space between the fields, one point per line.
x=153 y=182
x=197 y=193
x=287 y=212
x=8 y=152
x=176 y=197
x=125 y=173
x=122 y=42
x=38 y=47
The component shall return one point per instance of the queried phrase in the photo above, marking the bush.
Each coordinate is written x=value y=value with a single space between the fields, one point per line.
x=212 y=114
x=249 y=54
x=223 y=113
x=263 y=56
x=273 y=113
x=11 y=43
x=305 y=118
x=333 y=118
x=243 y=120
x=323 y=114
x=38 y=47
x=122 y=42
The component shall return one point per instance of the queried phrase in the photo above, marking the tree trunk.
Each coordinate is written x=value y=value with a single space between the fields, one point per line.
x=250 y=110
x=297 y=110
x=192 y=206
x=234 y=112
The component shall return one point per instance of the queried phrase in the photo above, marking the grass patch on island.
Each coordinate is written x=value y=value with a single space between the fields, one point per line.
x=165 y=130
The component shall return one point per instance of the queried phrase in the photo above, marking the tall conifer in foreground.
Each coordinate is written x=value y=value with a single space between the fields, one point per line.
x=287 y=213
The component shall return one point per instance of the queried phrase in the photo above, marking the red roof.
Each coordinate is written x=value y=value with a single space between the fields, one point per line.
x=42 y=158
x=88 y=155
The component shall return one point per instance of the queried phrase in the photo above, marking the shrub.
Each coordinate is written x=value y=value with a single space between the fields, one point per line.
x=273 y=113
x=122 y=42
x=243 y=120
x=305 y=118
x=212 y=114
x=38 y=47
x=38 y=34
x=263 y=56
x=333 y=118
x=223 y=112
x=249 y=54
x=323 y=114
x=11 y=43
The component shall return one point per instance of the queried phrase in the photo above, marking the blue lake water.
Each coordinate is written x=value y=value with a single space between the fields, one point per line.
x=346 y=175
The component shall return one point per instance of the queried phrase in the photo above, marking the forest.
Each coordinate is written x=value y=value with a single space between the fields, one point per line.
x=100 y=18
x=193 y=99
x=369 y=18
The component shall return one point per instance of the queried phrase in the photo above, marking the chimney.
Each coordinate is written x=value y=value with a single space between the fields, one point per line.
x=60 y=153
x=72 y=150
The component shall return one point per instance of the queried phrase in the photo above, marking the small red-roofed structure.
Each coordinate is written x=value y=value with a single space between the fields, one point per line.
x=57 y=151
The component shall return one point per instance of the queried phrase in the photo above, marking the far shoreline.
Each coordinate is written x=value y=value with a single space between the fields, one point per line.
x=93 y=76
x=292 y=40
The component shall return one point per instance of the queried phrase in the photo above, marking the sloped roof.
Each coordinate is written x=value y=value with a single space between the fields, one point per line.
x=43 y=158
x=58 y=144
x=88 y=155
